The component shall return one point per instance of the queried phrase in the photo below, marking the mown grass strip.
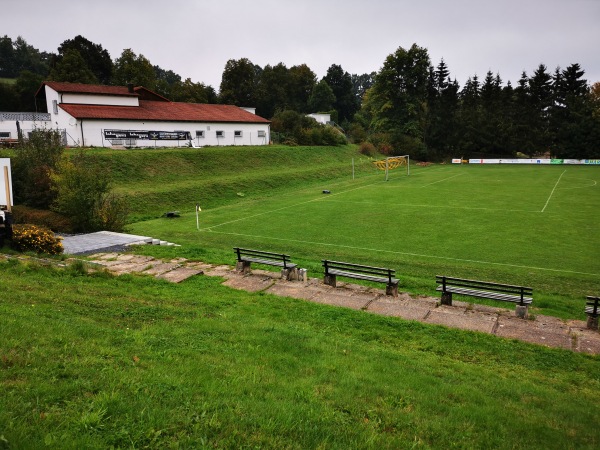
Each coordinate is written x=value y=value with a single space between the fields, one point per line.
x=97 y=361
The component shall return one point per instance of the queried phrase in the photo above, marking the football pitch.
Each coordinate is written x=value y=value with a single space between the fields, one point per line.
x=517 y=224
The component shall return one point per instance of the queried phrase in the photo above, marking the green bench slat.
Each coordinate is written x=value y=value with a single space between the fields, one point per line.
x=484 y=289
x=261 y=257
x=358 y=276
x=486 y=294
x=270 y=262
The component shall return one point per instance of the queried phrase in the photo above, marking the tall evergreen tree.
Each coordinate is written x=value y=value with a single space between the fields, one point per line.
x=522 y=138
x=442 y=112
x=470 y=117
x=575 y=130
x=542 y=97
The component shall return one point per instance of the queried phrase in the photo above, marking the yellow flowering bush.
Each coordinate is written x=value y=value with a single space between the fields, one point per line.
x=37 y=239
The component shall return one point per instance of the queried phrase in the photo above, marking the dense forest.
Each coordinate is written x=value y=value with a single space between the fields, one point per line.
x=408 y=106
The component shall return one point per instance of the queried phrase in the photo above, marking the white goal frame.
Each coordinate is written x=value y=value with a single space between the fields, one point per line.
x=387 y=164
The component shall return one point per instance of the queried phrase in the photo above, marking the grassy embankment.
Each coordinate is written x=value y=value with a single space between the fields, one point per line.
x=134 y=362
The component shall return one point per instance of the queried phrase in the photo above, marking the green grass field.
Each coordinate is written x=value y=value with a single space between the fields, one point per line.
x=530 y=225
x=92 y=361
x=96 y=361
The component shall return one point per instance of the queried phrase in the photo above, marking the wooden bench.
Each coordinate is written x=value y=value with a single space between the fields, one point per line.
x=246 y=256
x=592 y=309
x=334 y=269
x=520 y=295
x=8 y=142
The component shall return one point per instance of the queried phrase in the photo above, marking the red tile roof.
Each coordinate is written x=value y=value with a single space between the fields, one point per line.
x=164 y=111
x=79 y=88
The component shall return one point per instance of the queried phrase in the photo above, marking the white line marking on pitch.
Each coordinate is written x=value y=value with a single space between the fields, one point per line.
x=286 y=207
x=550 y=196
x=403 y=253
x=411 y=205
x=439 y=181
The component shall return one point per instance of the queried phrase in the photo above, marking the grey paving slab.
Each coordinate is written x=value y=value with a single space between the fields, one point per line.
x=249 y=283
x=179 y=274
x=295 y=290
x=337 y=298
x=160 y=268
x=91 y=242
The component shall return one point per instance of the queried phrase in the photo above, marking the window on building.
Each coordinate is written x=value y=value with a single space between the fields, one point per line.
x=220 y=133
x=4 y=134
x=237 y=133
x=55 y=106
x=199 y=133
x=262 y=133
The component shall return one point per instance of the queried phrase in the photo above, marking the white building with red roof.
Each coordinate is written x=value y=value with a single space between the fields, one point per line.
x=127 y=116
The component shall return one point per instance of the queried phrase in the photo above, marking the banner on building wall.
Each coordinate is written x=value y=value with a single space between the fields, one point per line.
x=147 y=135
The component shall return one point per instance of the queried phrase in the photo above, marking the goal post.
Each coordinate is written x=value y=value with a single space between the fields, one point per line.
x=393 y=162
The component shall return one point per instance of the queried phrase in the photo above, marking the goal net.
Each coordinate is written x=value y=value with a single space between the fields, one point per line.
x=393 y=162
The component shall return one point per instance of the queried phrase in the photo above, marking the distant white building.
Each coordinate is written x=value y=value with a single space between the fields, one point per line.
x=321 y=117
x=115 y=116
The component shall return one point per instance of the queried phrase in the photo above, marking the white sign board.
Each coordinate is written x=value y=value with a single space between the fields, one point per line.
x=5 y=182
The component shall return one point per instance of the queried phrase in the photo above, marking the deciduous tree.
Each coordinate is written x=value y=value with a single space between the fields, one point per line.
x=131 y=68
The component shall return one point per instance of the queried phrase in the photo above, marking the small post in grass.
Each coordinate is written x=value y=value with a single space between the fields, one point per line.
x=197 y=219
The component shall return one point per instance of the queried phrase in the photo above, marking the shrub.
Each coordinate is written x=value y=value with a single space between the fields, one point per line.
x=36 y=239
x=85 y=197
x=291 y=126
x=368 y=149
x=48 y=219
x=33 y=164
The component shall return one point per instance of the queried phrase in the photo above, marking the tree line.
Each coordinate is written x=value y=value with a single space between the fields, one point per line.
x=408 y=106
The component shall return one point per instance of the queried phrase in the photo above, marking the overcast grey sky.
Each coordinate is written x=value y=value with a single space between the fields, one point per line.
x=195 y=38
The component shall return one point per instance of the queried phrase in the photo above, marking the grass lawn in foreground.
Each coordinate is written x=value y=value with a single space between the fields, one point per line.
x=516 y=224
x=135 y=362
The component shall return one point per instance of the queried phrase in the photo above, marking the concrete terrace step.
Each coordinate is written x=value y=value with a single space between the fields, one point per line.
x=542 y=330
x=100 y=240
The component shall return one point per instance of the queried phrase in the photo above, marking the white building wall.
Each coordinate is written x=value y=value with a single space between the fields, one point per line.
x=8 y=126
x=321 y=118
x=87 y=99
x=249 y=133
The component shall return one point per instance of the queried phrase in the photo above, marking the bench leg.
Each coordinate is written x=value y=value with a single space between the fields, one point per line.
x=391 y=289
x=447 y=298
x=243 y=266
x=522 y=311
x=592 y=322
x=329 y=280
